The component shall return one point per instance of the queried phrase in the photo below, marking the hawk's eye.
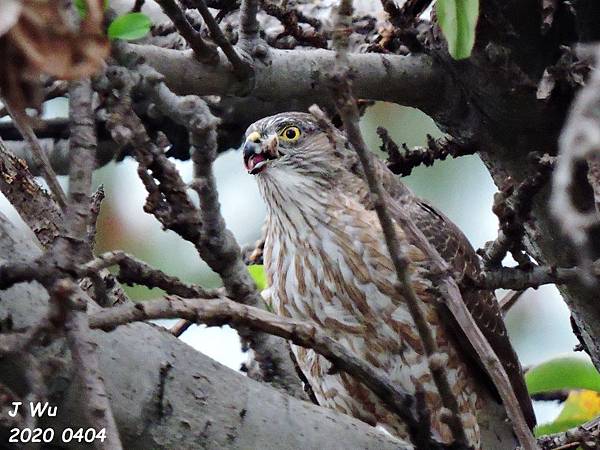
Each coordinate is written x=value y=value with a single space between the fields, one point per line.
x=290 y=134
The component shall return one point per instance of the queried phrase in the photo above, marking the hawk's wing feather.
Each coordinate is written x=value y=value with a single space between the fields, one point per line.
x=454 y=247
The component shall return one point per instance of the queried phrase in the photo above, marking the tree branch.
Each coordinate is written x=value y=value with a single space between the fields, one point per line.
x=21 y=122
x=33 y=203
x=403 y=79
x=169 y=202
x=241 y=68
x=248 y=23
x=229 y=409
x=436 y=150
x=217 y=312
x=134 y=271
x=204 y=52
x=587 y=435
x=348 y=110
x=96 y=406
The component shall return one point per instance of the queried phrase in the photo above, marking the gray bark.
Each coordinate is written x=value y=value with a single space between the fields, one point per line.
x=166 y=395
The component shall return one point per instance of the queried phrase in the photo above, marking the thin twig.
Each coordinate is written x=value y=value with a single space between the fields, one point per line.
x=134 y=271
x=205 y=52
x=248 y=22
x=241 y=68
x=509 y=300
x=180 y=327
x=348 y=110
x=588 y=433
x=47 y=171
x=436 y=150
x=216 y=312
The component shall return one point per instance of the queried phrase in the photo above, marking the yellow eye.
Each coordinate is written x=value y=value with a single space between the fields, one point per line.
x=290 y=134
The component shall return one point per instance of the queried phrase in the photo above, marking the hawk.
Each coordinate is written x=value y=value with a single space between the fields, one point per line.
x=327 y=262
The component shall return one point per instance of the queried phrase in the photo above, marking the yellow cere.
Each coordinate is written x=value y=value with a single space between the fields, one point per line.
x=254 y=136
x=290 y=134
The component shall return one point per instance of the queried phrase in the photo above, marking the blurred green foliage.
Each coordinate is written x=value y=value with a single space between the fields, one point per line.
x=458 y=21
x=573 y=374
x=257 y=272
x=562 y=373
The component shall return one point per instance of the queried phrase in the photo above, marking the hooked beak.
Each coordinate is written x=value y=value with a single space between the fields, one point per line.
x=257 y=153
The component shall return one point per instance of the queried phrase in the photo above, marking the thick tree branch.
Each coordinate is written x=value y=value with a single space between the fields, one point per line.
x=302 y=74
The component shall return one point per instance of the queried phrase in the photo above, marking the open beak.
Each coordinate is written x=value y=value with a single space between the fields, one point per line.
x=257 y=153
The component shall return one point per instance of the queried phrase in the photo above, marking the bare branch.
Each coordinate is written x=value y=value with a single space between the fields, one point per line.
x=437 y=149
x=180 y=327
x=509 y=300
x=64 y=293
x=241 y=68
x=519 y=279
x=402 y=79
x=248 y=23
x=32 y=202
x=134 y=271
x=217 y=312
x=21 y=122
x=512 y=206
x=348 y=110
x=587 y=436
x=95 y=402
x=82 y=150
x=205 y=52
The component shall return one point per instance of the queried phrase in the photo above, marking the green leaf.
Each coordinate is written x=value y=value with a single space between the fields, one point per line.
x=458 y=20
x=562 y=373
x=257 y=272
x=129 y=26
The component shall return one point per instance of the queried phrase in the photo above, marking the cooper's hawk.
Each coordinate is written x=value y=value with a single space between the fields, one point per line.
x=327 y=262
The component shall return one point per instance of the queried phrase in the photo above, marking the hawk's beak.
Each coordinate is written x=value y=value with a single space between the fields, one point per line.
x=257 y=153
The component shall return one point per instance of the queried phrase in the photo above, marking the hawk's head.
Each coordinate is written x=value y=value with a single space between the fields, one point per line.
x=290 y=142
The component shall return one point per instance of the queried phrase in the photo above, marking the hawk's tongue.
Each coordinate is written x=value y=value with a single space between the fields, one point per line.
x=254 y=160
